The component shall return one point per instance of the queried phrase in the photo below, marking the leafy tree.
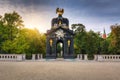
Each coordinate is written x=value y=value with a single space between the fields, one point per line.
x=104 y=44
x=1 y=31
x=10 y=25
x=92 y=46
x=78 y=28
x=16 y=39
x=35 y=40
x=85 y=42
x=114 y=47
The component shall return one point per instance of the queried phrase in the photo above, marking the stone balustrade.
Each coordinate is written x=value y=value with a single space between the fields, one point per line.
x=82 y=56
x=100 y=57
x=37 y=56
x=108 y=57
x=21 y=57
x=12 y=57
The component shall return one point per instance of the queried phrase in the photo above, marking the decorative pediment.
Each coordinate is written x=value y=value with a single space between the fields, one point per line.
x=60 y=31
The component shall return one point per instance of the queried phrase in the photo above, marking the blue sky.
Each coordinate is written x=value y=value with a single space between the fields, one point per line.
x=94 y=14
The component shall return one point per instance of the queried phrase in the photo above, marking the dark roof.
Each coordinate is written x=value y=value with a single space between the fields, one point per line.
x=56 y=20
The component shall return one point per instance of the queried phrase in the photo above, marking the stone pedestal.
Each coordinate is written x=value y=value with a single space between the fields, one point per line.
x=78 y=56
x=95 y=57
x=41 y=56
x=38 y=56
x=24 y=57
x=33 y=56
x=86 y=58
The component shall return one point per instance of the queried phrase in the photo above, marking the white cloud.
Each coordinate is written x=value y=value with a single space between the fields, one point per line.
x=40 y=16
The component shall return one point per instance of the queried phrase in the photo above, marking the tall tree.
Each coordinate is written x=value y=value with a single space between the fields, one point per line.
x=35 y=40
x=85 y=42
x=80 y=37
x=12 y=22
x=78 y=28
x=114 y=47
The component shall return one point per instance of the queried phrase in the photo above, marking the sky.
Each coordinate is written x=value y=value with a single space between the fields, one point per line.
x=96 y=15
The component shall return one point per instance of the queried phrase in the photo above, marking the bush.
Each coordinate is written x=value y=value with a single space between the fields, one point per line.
x=90 y=56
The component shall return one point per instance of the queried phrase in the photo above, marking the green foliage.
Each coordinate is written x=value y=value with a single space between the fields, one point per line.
x=78 y=28
x=114 y=47
x=14 y=38
x=9 y=28
x=85 y=42
x=36 y=41
x=90 y=56
x=91 y=43
x=8 y=46
x=11 y=23
x=59 y=48
x=104 y=44
x=88 y=42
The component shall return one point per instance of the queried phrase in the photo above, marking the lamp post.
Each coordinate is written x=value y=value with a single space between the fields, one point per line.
x=51 y=42
x=69 y=46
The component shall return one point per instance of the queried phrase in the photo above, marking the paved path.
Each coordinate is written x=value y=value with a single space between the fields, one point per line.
x=59 y=70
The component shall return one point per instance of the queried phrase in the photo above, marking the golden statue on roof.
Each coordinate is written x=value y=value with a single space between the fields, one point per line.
x=59 y=11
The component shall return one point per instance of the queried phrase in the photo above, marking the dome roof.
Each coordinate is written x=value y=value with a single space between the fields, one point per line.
x=57 y=21
x=60 y=21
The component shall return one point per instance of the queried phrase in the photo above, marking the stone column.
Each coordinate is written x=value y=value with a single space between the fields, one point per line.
x=33 y=56
x=41 y=56
x=85 y=57
x=100 y=58
x=19 y=57
x=24 y=57
x=95 y=57
x=38 y=56
x=78 y=56
x=81 y=57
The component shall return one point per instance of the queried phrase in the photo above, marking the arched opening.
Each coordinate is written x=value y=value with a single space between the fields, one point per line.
x=59 y=49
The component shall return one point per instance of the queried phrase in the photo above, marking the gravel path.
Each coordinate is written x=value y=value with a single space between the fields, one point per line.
x=59 y=70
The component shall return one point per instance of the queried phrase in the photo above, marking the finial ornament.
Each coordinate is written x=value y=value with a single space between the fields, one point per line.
x=59 y=11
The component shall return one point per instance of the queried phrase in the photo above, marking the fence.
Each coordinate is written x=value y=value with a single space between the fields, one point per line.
x=82 y=56
x=108 y=57
x=37 y=56
x=12 y=57
x=100 y=57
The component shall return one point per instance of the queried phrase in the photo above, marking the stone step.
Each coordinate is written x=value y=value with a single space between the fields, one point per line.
x=59 y=59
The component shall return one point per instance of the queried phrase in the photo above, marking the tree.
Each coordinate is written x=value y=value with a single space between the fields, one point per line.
x=85 y=42
x=80 y=35
x=36 y=41
x=10 y=24
x=92 y=45
x=78 y=28
x=1 y=31
x=14 y=38
x=114 y=46
x=104 y=44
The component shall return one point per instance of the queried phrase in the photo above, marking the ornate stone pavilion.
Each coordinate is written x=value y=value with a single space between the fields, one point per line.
x=59 y=35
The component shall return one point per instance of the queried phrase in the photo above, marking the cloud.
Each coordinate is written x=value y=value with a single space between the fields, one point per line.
x=92 y=13
x=98 y=8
